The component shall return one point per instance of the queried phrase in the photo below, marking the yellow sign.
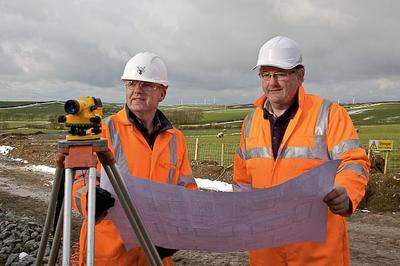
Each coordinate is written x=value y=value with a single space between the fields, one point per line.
x=380 y=145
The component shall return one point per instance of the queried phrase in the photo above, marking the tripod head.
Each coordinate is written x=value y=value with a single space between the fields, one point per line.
x=83 y=118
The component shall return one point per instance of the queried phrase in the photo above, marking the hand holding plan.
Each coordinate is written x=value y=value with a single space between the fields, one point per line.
x=338 y=201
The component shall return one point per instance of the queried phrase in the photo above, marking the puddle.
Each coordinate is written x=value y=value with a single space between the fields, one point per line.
x=21 y=190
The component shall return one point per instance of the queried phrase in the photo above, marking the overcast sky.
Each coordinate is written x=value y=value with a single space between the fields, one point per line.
x=58 y=50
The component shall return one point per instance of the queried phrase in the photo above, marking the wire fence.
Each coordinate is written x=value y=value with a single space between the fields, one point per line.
x=220 y=153
x=223 y=153
x=386 y=159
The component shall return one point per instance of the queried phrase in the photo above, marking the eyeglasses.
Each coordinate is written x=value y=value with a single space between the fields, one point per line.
x=279 y=76
x=144 y=85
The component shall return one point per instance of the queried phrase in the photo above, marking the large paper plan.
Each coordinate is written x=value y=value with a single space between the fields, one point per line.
x=228 y=221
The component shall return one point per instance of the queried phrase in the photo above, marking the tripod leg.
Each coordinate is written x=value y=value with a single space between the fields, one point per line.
x=91 y=217
x=69 y=173
x=132 y=214
x=56 y=239
x=50 y=215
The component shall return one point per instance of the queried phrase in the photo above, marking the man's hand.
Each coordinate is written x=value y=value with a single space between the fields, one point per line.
x=338 y=201
x=104 y=201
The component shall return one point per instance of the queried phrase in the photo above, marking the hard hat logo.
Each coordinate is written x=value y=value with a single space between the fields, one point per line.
x=140 y=70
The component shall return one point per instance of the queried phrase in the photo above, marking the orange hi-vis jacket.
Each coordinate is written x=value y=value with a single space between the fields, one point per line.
x=319 y=131
x=166 y=163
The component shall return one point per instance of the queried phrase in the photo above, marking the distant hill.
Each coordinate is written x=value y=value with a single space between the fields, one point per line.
x=18 y=104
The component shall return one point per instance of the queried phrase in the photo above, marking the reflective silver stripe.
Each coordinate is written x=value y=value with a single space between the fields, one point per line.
x=303 y=152
x=322 y=121
x=110 y=124
x=344 y=147
x=172 y=150
x=186 y=180
x=78 y=198
x=355 y=168
x=173 y=159
x=321 y=149
x=259 y=152
x=242 y=187
x=241 y=153
x=80 y=180
x=116 y=142
x=321 y=127
x=247 y=126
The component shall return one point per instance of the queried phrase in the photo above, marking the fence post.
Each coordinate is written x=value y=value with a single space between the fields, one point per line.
x=196 y=149
x=222 y=154
x=386 y=162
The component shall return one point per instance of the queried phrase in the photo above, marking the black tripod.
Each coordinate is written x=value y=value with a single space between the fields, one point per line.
x=78 y=155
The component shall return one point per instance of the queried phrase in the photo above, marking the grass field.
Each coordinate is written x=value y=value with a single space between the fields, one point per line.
x=391 y=131
x=224 y=115
x=375 y=114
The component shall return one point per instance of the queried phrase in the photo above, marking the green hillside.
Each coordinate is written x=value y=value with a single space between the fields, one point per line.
x=375 y=113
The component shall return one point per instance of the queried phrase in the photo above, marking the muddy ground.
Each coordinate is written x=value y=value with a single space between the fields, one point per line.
x=374 y=236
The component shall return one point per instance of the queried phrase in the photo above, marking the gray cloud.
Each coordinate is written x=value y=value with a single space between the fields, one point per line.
x=52 y=50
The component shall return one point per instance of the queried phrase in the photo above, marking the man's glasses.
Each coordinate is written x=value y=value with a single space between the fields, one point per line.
x=279 y=76
x=144 y=85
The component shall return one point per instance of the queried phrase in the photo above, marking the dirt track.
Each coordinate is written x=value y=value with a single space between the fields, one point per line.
x=374 y=237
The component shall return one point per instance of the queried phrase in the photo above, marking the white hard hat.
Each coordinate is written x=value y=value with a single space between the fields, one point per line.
x=280 y=52
x=146 y=66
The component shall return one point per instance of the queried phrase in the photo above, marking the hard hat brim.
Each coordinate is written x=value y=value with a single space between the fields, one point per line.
x=161 y=82
x=276 y=64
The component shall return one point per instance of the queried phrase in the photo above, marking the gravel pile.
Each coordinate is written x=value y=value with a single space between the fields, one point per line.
x=19 y=240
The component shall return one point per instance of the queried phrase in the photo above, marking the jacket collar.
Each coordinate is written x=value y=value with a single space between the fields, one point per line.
x=123 y=117
x=161 y=122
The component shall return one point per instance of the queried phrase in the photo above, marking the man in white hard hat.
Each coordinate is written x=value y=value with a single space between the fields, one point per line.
x=145 y=145
x=288 y=133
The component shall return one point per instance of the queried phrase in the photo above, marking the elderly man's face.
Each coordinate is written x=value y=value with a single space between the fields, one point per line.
x=143 y=97
x=280 y=85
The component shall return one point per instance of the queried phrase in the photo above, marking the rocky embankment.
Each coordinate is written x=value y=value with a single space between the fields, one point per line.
x=19 y=240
